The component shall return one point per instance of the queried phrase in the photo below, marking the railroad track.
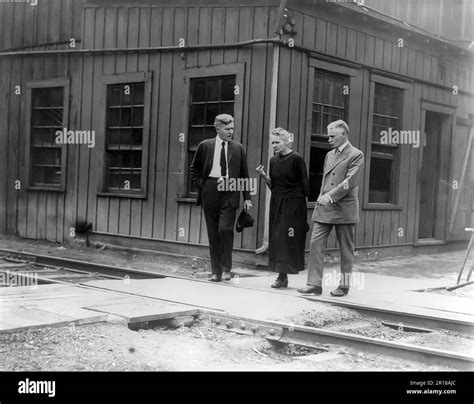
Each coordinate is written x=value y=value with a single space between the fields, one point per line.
x=63 y=270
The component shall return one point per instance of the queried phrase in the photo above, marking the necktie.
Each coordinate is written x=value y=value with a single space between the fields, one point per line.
x=223 y=161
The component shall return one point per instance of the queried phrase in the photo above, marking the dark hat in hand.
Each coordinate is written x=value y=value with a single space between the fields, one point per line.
x=244 y=220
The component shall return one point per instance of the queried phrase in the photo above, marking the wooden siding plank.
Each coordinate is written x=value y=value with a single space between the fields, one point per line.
x=176 y=102
x=419 y=65
x=13 y=14
x=351 y=45
x=331 y=39
x=41 y=216
x=51 y=216
x=14 y=145
x=5 y=180
x=405 y=168
x=426 y=67
x=85 y=121
x=413 y=177
x=386 y=227
x=145 y=206
x=192 y=36
x=378 y=228
x=148 y=216
x=258 y=86
x=165 y=95
x=92 y=120
x=387 y=55
x=411 y=68
x=123 y=29
x=134 y=27
x=203 y=234
x=183 y=228
x=104 y=207
x=73 y=158
x=205 y=21
x=217 y=34
x=321 y=34
x=231 y=33
x=369 y=50
x=363 y=123
x=360 y=47
x=379 y=45
x=195 y=224
x=32 y=215
x=403 y=60
x=341 y=41
x=284 y=85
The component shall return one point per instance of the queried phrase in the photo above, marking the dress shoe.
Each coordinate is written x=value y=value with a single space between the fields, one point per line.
x=280 y=283
x=308 y=290
x=215 y=278
x=226 y=276
x=340 y=291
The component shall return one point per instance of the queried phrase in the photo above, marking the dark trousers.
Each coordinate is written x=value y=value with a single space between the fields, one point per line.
x=220 y=220
x=345 y=238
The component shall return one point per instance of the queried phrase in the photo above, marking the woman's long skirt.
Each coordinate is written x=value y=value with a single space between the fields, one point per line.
x=287 y=235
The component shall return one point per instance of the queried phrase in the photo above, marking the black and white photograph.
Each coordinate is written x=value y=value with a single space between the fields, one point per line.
x=221 y=187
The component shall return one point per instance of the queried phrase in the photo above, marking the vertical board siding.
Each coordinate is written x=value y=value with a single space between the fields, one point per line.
x=50 y=215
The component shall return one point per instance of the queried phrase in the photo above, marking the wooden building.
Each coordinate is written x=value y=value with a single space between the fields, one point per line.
x=147 y=78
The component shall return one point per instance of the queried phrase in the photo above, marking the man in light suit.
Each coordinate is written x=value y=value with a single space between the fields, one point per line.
x=216 y=161
x=337 y=206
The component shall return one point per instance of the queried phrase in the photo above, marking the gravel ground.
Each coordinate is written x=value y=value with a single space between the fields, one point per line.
x=113 y=347
x=349 y=321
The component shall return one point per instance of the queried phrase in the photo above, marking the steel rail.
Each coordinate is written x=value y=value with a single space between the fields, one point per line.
x=316 y=337
x=84 y=266
x=404 y=319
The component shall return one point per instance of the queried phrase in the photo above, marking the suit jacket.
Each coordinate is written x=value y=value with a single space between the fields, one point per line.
x=340 y=182
x=236 y=163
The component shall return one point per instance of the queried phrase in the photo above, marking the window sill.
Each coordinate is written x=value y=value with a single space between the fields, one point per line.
x=121 y=195
x=381 y=206
x=186 y=200
x=46 y=189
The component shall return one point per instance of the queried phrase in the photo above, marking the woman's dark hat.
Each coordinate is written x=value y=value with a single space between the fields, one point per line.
x=244 y=220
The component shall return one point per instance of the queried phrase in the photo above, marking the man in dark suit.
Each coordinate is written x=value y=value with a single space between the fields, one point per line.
x=337 y=206
x=217 y=161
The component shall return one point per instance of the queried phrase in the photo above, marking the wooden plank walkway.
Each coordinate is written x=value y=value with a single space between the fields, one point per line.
x=146 y=300
x=25 y=308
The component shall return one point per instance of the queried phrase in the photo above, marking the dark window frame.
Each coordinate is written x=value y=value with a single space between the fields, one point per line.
x=233 y=69
x=395 y=178
x=123 y=79
x=319 y=140
x=355 y=76
x=63 y=82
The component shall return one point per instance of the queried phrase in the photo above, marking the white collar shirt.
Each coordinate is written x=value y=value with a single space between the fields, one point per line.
x=342 y=146
x=216 y=163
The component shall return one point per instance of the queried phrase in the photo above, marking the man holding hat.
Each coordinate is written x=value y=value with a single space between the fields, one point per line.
x=216 y=161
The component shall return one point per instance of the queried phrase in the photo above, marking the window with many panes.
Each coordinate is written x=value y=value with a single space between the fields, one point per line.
x=210 y=96
x=387 y=113
x=124 y=136
x=45 y=155
x=329 y=104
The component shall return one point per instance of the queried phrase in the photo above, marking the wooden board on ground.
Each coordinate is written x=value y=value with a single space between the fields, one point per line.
x=23 y=319
x=143 y=310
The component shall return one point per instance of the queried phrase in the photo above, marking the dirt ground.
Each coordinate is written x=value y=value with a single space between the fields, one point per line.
x=113 y=347
x=349 y=321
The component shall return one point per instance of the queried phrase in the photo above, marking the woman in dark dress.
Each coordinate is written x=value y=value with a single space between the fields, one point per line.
x=288 y=180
